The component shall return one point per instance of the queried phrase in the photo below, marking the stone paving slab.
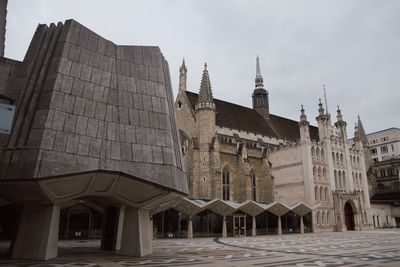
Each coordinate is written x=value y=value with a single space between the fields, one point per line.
x=367 y=248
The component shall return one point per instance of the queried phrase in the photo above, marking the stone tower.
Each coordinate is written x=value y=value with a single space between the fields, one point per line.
x=205 y=127
x=260 y=95
x=3 y=20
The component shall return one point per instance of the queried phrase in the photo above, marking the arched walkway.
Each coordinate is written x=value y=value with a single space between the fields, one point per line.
x=349 y=216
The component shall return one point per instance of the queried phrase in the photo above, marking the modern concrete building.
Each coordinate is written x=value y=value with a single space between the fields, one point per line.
x=384 y=177
x=385 y=144
x=94 y=125
x=236 y=155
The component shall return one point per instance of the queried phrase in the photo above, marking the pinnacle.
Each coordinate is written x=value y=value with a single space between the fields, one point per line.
x=205 y=94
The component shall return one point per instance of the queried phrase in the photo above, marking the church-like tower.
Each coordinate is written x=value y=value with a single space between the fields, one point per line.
x=260 y=95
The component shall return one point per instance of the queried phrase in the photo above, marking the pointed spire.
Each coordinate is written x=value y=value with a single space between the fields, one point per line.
x=361 y=131
x=182 y=76
x=183 y=69
x=205 y=99
x=259 y=78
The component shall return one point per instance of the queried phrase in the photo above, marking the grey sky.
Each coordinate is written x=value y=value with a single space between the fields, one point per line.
x=351 y=46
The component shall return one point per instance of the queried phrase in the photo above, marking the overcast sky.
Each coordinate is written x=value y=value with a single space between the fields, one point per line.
x=351 y=46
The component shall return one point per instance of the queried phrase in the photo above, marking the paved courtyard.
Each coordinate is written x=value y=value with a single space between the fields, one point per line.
x=366 y=248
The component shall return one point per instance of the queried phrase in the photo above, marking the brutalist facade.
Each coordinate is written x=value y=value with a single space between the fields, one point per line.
x=94 y=123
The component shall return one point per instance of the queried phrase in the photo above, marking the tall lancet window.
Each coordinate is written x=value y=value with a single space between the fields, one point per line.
x=253 y=186
x=225 y=184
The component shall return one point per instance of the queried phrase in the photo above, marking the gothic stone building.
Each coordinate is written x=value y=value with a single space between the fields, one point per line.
x=239 y=155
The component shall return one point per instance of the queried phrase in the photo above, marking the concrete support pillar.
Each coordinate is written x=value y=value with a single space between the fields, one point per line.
x=224 y=232
x=279 y=225
x=136 y=233
x=152 y=227
x=37 y=235
x=109 y=234
x=190 y=228
x=301 y=225
x=253 y=227
x=121 y=216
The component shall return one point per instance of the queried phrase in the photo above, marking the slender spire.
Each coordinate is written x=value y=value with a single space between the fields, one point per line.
x=259 y=78
x=183 y=69
x=205 y=99
x=182 y=76
x=361 y=131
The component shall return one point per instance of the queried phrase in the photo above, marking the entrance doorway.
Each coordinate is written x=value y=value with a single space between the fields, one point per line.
x=239 y=226
x=349 y=216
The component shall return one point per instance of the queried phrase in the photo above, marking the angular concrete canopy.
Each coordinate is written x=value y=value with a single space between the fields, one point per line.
x=301 y=208
x=192 y=207
x=252 y=208
x=278 y=208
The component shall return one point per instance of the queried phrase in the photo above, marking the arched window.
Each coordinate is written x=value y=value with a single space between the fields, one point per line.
x=314 y=171
x=225 y=184
x=336 y=181
x=322 y=153
x=358 y=160
x=318 y=217
x=365 y=217
x=316 y=193
x=362 y=196
x=253 y=186
x=327 y=217
x=326 y=194
x=312 y=151
x=321 y=193
x=319 y=172
x=341 y=158
x=337 y=157
x=317 y=152
x=344 y=179
x=340 y=179
x=360 y=178
x=324 y=172
x=333 y=156
x=323 y=218
x=354 y=178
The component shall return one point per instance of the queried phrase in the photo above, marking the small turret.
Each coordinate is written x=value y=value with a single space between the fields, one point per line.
x=304 y=125
x=323 y=122
x=341 y=124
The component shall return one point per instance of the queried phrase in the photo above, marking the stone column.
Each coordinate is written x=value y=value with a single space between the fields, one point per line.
x=120 y=226
x=301 y=225
x=190 y=228
x=136 y=233
x=110 y=225
x=37 y=235
x=254 y=227
x=224 y=232
x=279 y=225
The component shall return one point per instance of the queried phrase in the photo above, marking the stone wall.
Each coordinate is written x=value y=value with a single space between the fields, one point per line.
x=288 y=173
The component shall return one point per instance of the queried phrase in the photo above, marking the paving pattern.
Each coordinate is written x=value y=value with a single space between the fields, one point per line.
x=367 y=248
